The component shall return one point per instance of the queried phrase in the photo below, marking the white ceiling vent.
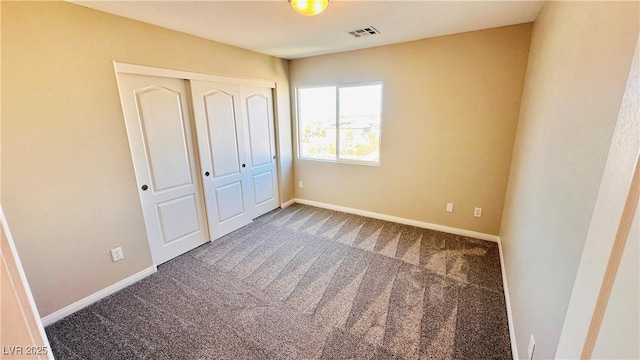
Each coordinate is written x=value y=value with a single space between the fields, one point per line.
x=366 y=31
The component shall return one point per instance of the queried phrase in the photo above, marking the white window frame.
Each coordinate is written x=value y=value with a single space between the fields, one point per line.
x=337 y=159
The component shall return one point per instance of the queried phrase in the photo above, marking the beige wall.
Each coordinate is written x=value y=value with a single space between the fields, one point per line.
x=450 y=111
x=68 y=185
x=578 y=65
x=603 y=246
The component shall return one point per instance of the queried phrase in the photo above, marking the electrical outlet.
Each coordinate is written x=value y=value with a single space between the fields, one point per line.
x=449 y=207
x=531 y=348
x=300 y=184
x=117 y=254
x=477 y=212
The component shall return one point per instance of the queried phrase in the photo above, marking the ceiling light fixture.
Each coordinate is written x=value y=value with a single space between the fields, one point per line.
x=309 y=7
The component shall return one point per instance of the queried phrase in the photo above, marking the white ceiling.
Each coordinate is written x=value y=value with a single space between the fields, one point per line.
x=273 y=27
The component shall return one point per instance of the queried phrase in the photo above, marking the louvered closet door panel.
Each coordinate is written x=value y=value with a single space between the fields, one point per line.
x=220 y=131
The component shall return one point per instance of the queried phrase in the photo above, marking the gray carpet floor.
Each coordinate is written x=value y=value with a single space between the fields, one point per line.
x=305 y=283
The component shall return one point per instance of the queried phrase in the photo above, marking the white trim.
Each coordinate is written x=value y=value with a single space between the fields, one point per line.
x=399 y=220
x=25 y=284
x=286 y=204
x=507 y=300
x=82 y=303
x=124 y=68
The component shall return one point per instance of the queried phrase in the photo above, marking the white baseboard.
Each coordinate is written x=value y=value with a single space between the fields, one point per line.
x=286 y=204
x=399 y=220
x=512 y=334
x=81 y=304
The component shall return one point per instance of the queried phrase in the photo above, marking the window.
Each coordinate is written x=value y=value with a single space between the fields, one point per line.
x=340 y=123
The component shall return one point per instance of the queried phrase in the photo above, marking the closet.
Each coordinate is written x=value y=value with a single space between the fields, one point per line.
x=204 y=154
x=235 y=132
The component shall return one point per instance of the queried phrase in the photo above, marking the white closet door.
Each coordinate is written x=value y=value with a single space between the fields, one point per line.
x=218 y=113
x=160 y=135
x=263 y=175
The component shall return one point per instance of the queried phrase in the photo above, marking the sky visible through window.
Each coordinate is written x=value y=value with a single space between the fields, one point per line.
x=360 y=101
x=358 y=109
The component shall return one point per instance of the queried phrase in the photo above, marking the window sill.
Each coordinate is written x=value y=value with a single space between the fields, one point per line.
x=343 y=162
